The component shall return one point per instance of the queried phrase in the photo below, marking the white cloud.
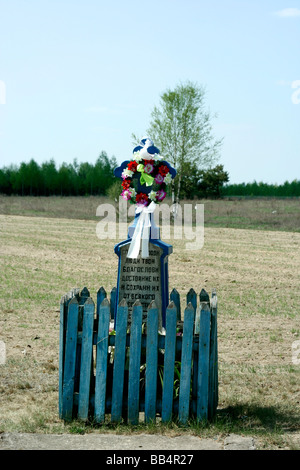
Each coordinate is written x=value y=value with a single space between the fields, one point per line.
x=288 y=13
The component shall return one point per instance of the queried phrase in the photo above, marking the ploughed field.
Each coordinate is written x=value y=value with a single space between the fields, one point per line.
x=255 y=272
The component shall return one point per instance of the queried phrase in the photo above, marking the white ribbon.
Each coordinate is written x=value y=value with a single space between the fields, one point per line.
x=141 y=232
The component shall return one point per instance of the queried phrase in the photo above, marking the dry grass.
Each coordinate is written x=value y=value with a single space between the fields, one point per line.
x=256 y=274
x=262 y=214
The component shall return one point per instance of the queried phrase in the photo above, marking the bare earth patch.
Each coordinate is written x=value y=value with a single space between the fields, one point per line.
x=256 y=275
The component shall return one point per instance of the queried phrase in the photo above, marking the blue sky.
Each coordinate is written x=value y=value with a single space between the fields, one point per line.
x=78 y=77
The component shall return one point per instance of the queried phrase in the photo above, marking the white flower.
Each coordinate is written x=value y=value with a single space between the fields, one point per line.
x=168 y=178
x=127 y=173
x=132 y=191
x=152 y=195
x=137 y=156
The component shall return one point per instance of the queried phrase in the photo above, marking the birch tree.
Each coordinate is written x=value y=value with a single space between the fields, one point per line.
x=181 y=127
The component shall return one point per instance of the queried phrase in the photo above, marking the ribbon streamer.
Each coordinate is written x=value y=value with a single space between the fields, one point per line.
x=141 y=232
x=145 y=178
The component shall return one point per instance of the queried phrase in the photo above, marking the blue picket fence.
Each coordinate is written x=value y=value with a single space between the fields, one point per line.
x=116 y=375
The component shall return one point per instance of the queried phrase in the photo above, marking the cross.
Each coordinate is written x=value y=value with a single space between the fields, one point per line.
x=145 y=146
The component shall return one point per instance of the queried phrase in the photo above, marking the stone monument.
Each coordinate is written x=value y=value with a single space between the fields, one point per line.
x=143 y=257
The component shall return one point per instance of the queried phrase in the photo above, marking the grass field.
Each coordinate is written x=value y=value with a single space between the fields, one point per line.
x=259 y=214
x=50 y=245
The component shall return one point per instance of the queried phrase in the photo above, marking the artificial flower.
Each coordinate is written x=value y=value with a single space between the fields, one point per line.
x=160 y=195
x=142 y=199
x=168 y=178
x=132 y=166
x=126 y=184
x=152 y=195
x=137 y=156
x=159 y=179
x=133 y=192
x=127 y=173
x=163 y=170
x=126 y=194
x=148 y=168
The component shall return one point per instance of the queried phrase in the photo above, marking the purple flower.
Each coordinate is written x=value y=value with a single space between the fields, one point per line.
x=148 y=168
x=159 y=179
x=160 y=195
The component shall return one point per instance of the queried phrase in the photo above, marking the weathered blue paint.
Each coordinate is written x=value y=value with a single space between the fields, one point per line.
x=101 y=361
x=169 y=363
x=192 y=298
x=70 y=358
x=113 y=302
x=135 y=363
x=92 y=393
x=119 y=363
x=186 y=364
x=213 y=360
x=175 y=297
x=61 y=352
x=203 y=362
x=86 y=359
x=101 y=295
x=151 y=363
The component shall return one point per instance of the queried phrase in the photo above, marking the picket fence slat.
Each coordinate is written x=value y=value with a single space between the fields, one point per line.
x=203 y=362
x=186 y=364
x=135 y=363
x=214 y=358
x=91 y=390
x=101 y=361
x=175 y=297
x=119 y=363
x=61 y=352
x=192 y=298
x=86 y=359
x=101 y=295
x=113 y=295
x=151 y=363
x=70 y=359
x=169 y=363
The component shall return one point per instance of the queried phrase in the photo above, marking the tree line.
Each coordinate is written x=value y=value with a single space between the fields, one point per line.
x=181 y=127
x=260 y=189
x=32 y=179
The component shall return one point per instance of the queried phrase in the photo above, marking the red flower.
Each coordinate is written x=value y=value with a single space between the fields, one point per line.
x=163 y=170
x=132 y=166
x=126 y=184
x=142 y=198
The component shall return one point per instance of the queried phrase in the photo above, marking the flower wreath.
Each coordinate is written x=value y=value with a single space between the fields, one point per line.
x=152 y=170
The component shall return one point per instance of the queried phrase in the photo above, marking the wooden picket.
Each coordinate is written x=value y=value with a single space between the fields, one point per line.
x=132 y=370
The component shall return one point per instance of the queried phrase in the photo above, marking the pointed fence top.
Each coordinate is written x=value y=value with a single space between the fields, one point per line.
x=73 y=301
x=89 y=301
x=204 y=297
x=105 y=302
x=171 y=305
x=174 y=291
x=85 y=292
x=123 y=303
x=102 y=290
x=191 y=292
x=152 y=305
x=190 y=306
